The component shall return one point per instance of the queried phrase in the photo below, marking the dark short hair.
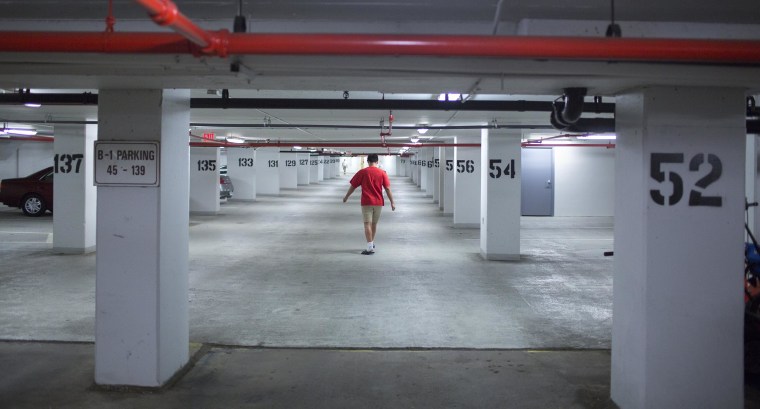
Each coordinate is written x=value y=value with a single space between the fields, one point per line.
x=372 y=158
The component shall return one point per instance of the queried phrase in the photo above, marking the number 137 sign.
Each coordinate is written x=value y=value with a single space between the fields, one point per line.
x=707 y=166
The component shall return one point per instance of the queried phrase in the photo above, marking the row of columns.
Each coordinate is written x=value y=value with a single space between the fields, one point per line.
x=678 y=313
x=263 y=171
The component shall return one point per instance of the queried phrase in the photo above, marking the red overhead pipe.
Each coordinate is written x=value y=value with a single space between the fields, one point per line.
x=575 y=145
x=110 y=20
x=564 y=48
x=166 y=13
x=332 y=145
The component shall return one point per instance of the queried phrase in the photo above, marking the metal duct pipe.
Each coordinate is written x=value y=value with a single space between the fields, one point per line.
x=566 y=113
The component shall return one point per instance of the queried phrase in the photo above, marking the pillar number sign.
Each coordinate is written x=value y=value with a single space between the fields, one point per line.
x=126 y=163
x=669 y=169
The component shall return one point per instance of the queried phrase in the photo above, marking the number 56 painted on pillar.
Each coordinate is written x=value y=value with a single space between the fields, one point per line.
x=696 y=198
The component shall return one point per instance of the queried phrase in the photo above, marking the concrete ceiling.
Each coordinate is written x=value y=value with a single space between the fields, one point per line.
x=372 y=77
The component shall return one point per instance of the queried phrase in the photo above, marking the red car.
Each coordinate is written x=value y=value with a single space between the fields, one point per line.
x=33 y=194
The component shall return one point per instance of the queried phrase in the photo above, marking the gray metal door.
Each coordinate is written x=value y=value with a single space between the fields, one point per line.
x=537 y=182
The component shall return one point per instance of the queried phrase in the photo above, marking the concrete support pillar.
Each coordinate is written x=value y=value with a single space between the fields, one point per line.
x=436 y=179
x=204 y=180
x=288 y=170
x=466 y=167
x=141 y=299
x=241 y=168
x=268 y=171
x=313 y=169
x=447 y=163
x=75 y=205
x=320 y=168
x=412 y=168
x=500 y=195
x=678 y=307
x=424 y=173
x=303 y=169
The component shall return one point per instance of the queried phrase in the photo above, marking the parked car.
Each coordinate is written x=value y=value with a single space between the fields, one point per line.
x=225 y=184
x=33 y=194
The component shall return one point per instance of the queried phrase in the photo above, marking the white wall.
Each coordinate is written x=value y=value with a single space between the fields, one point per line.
x=584 y=181
x=19 y=159
x=388 y=164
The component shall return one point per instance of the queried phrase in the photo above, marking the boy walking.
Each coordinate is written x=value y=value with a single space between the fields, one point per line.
x=372 y=180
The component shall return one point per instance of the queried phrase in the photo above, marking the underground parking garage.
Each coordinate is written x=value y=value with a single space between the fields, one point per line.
x=265 y=299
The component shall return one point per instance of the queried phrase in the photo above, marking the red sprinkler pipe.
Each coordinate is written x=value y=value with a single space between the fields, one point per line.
x=557 y=48
x=166 y=13
x=573 y=145
x=332 y=145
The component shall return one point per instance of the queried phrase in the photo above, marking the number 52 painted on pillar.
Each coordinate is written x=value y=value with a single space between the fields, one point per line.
x=696 y=193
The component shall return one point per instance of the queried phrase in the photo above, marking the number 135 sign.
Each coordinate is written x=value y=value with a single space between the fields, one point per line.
x=706 y=165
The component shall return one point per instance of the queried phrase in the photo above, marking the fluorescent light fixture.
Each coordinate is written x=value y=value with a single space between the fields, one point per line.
x=414 y=140
x=422 y=131
x=452 y=97
x=298 y=148
x=25 y=132
x=599 y=136
x=235 y=140
x=32 y=105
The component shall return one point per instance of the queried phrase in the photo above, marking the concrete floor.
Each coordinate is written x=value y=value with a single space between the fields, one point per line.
x=285 y=312
x=287 y=271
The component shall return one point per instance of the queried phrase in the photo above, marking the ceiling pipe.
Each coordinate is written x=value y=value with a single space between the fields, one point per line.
x=572 y=145
x=166 y=13
x=306 y=144
x=87 y=98
x=696 y=51
x=566 y=113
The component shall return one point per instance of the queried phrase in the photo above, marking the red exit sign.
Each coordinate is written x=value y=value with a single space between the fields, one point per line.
x=208 y=136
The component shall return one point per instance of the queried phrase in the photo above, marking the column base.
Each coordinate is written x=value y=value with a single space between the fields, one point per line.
x=500 y=257
x=447 y=214
x=74 y=250
x=466 y=225
x=203 y=213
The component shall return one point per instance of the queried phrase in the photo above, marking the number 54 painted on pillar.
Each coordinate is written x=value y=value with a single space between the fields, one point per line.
x=498 y=171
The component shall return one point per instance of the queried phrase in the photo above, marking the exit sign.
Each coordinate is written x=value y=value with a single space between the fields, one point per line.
x=209 y=136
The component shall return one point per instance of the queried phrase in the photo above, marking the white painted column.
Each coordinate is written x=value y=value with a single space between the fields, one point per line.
x=141 y=298
x=241 y=168
x=467 y=184
x=303 y=169
x=500 y=195
x=417 y=169
x=448 y=181
x=320 y=168
x=677 y=332
x=424 y=173
x=412 y=168
x=268 y=171
x=288 y=170
x=204 y=180
x=436 y=179
x=313 y=169
x=75 y=204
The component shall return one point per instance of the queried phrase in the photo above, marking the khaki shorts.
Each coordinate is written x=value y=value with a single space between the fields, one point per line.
x=371 y=214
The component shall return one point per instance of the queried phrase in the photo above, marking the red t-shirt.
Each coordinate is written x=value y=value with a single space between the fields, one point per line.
x=372 y=180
